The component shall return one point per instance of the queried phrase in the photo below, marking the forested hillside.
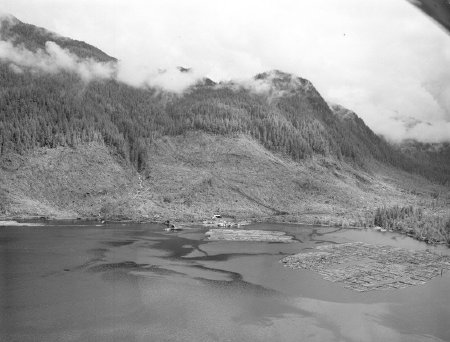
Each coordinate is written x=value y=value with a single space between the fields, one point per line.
x=435 y=158
x=33 y=38
x=48 y=110
x=284 y=112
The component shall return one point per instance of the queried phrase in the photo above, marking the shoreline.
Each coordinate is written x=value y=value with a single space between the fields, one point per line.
x=182 y=223
x=251 y=220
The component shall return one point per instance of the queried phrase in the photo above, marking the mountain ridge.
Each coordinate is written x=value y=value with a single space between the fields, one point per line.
x=33 y=38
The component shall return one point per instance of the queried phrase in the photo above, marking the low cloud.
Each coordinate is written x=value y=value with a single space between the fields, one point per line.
x=171 y=79
x=429 y=132
x=53 y=60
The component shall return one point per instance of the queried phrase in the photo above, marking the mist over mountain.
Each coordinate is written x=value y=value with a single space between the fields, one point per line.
x=39 y=50
x=35 y=38
x=60 y=95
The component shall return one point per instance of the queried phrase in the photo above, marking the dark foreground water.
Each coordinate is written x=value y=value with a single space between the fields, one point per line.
x=134 y=282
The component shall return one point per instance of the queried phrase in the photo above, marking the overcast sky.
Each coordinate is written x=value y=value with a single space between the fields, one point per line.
x=383 y=59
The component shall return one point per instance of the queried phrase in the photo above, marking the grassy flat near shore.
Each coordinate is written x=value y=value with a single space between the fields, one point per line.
x=192 y=176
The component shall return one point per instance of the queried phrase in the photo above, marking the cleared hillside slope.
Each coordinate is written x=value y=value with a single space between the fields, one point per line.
x=194 y=175
x=61 y=182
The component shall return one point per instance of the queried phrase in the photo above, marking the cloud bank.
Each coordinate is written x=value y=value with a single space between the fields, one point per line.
x=383 y=59
x=52 y=60
x=171 y=79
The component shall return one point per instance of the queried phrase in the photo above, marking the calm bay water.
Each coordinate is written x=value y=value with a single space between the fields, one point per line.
x=136 y=282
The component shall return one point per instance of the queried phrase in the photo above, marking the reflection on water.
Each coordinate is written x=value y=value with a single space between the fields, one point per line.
x=138 y=283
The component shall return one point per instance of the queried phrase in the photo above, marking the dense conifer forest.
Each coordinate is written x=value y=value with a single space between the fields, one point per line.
x=38 y=110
